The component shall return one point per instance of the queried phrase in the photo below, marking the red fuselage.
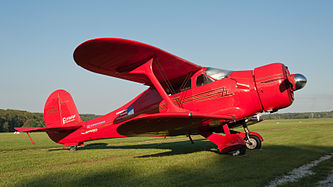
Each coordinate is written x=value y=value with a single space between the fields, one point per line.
x=182 y=99
x=240 y=94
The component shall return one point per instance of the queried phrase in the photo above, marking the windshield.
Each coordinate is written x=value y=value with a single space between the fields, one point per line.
x=217 y=74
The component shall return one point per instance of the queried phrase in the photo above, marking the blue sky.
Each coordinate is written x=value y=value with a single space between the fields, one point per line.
x=37 y=40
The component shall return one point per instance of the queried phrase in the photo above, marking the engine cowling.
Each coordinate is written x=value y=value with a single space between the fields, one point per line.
x=275 y=86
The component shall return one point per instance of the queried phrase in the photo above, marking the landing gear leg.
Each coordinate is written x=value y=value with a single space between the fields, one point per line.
x=247 y=133
x=252 y=141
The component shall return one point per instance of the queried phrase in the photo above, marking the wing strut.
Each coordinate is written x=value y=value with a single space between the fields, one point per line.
x=30 y=138
x=147 y=69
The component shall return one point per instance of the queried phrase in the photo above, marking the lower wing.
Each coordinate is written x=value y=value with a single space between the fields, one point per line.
x=171 y=124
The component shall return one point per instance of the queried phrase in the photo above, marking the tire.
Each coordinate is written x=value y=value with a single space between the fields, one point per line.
x=255 y=142
x=239 y=152
x=242 y=150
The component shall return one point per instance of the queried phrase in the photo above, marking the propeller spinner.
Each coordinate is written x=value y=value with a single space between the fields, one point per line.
x=300 y=81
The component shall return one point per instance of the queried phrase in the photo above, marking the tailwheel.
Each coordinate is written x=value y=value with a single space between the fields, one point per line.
x=73 y=148
x=252 y=142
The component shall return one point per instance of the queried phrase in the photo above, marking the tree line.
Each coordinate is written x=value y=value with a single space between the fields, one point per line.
x=19 y=118
x=305 y=115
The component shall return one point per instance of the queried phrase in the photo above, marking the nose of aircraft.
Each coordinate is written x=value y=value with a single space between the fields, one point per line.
x=300 y=81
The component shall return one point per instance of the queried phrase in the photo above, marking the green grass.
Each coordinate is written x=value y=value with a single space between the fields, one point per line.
x=166 y=162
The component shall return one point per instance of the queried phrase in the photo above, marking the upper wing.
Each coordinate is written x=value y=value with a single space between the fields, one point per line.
x=117 y=57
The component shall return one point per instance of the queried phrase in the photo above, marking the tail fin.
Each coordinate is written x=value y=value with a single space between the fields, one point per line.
x=60 y=115
x=60 y=110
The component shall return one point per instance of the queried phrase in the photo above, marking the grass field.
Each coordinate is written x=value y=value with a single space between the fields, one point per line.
x=167 y=162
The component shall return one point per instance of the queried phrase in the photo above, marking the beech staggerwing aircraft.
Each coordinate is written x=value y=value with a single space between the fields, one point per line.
x=182 y=99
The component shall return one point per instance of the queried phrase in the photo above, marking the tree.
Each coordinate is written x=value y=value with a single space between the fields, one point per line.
x=32 y=123
x=6 y=127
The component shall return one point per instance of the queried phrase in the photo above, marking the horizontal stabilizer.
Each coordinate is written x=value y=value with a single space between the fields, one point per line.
x=43 y=129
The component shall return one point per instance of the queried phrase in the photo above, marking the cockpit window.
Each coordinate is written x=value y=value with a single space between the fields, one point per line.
x=217 y=74
x=203 y=79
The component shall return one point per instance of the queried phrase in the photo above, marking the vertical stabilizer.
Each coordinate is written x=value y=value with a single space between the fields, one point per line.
x=60 y=110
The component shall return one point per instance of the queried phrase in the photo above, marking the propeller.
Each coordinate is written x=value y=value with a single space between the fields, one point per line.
x=298 y=81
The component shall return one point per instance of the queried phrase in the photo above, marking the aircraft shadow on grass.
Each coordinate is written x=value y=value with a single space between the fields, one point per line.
x=271 y=156
x=175 y=148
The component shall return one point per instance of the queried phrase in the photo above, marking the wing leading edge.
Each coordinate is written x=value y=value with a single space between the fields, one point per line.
x=118 y=57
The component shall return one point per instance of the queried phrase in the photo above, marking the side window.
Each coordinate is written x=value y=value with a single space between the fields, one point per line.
x=203 y=79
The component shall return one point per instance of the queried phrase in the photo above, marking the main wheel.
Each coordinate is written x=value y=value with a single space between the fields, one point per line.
x=239 y=152
x=253 y=143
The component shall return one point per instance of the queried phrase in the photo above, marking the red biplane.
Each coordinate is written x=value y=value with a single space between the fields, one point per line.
x=182 y=99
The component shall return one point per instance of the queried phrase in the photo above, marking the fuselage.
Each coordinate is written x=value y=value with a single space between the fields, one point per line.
x=238 y=94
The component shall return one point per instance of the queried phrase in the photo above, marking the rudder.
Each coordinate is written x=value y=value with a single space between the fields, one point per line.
x=60 y=110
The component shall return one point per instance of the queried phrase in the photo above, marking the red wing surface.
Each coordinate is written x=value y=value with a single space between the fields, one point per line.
x=117 y=57
x=162 y=124
x=43 y=129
